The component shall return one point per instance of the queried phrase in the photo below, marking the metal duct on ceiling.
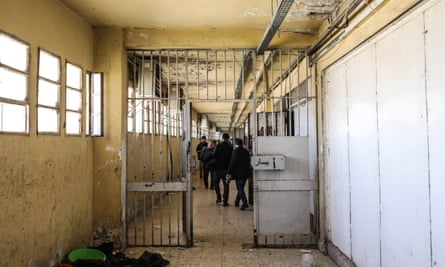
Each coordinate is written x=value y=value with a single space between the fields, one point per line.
x=274 y=25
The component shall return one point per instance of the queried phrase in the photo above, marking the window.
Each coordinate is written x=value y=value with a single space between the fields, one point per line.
x=73 y=114
x=14 y=75
x=94 y=107
x=48 y=96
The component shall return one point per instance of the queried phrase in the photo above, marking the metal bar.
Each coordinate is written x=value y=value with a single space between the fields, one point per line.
x=289 y=78
x=216 y=74
x=152 y=218
x=144 y=145
x=199 y=70
x=178 y=132
x=188 y=195
x=225 y=74
x=144 y=223
x=298 y=97
x=169 y=219
x=270 y=93
x=281 y=96
x=161 y=208
x=207 y=74
x=157 y=187
x=142 y=86
x=135 y=216
x=135 y=154
x=234 y=71
x=168 y=117
x=308 y=94
x=178 y=231
x=289 y=185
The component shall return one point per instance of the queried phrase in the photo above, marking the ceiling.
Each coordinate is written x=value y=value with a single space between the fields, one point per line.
x=300 y=25
x=304 y=15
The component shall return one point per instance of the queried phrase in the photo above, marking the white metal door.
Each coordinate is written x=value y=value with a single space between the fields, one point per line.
x=283 y=203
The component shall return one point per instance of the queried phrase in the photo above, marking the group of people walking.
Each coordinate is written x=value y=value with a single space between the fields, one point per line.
x=224 y=163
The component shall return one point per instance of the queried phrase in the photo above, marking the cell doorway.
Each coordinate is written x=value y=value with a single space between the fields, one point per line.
x=177 y=96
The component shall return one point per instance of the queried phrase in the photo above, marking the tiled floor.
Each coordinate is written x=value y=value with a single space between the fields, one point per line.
x=223 y=237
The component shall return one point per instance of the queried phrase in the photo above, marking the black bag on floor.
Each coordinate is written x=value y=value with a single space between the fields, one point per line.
x=148 y=259
x=90 y=263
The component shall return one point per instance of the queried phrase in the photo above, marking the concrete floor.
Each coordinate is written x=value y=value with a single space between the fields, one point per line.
x=223 y=237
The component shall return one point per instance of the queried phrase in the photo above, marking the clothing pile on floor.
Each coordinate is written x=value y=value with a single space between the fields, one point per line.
x=119 y=259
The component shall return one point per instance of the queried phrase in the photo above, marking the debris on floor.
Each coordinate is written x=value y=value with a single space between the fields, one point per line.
x=119 y=259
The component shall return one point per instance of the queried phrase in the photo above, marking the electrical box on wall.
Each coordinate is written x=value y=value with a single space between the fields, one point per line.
x=268 y=162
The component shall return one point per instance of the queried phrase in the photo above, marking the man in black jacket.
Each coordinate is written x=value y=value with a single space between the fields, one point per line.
x=239 y=169
x=208 y=163
x=222 y=154
x=202 y=144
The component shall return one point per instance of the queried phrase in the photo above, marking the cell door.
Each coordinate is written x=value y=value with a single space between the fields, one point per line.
x=158 y=186
x=286 y=186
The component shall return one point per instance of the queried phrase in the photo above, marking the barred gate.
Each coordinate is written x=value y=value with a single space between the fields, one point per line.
x=226 y=88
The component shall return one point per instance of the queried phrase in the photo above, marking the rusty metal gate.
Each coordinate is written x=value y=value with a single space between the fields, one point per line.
x=175 y=96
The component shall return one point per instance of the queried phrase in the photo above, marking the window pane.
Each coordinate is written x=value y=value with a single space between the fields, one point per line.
x=13 y=85
x=87 y=104
x=13 y=53
x=49 y=66
x=14 y=118
x=48 y=93
x=96 y=105
x=73 y=120
x=73 y=100
x=48 y=120
x=73 y=76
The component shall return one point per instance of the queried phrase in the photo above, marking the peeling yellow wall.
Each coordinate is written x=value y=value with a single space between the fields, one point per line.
x=45 y=181
x=148 y=157
x=230 y=38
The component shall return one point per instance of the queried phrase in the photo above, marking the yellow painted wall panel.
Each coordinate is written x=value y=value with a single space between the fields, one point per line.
x=109 y=58
x=46 y=181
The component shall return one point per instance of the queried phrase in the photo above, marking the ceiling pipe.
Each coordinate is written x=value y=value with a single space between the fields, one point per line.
x=310 y=50
x=278 y=17
x=335 y=25
x=320 y=41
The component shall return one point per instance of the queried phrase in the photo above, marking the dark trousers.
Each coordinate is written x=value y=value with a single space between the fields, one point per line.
x=205 y=176
x=218 y=176
x=241 y=195
x=201 y=169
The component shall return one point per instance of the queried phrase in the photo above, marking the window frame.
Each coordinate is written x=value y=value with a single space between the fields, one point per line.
x=27 y=74
x=58 y=105
x=81 y=91
x=89 y=97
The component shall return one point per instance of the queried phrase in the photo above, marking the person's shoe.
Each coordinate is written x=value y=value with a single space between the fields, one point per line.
x=236 y=204
x=218 y=201
x=226 y=204
x=244 y=207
